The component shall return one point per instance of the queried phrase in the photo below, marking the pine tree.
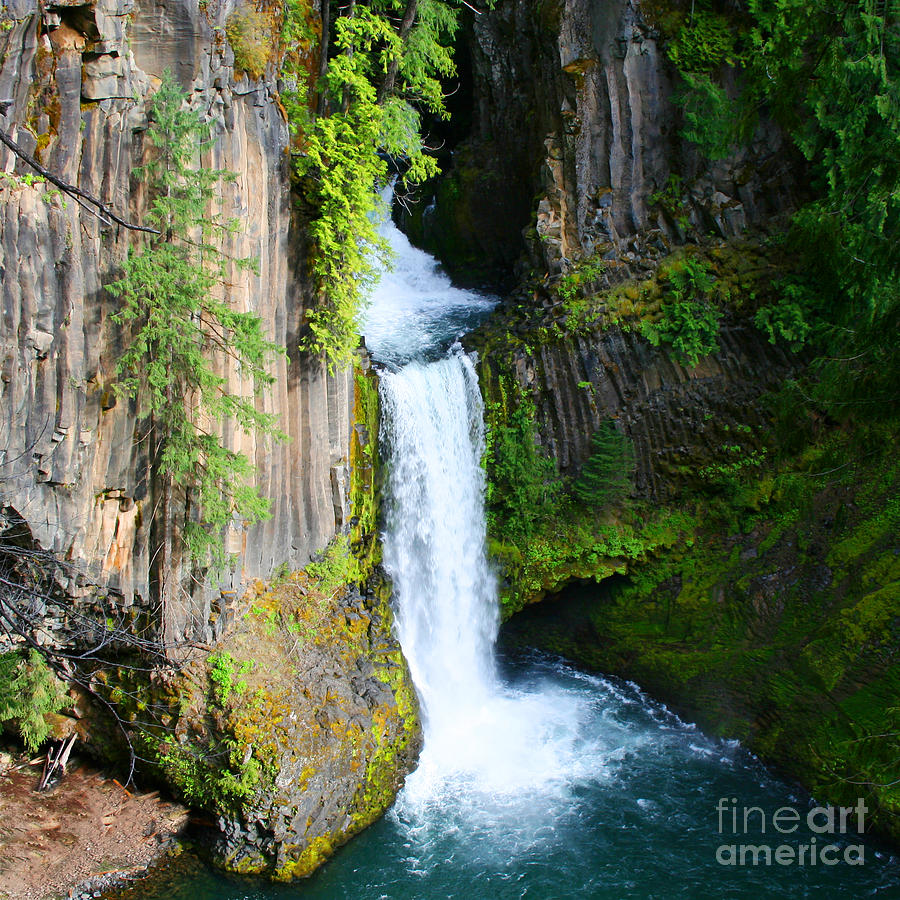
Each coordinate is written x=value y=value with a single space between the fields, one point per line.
x=606 y=475
x=170 y=294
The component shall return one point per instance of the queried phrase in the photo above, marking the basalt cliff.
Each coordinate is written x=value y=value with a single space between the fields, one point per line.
x=293 y=719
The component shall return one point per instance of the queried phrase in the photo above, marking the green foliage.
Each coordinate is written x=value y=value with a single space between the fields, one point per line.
x=169 y=295
x=28 y=690
x=571 y=286
x=250 y=34
x=688 y=322
x=787 y=320
x=522 y=482
x=670 y=199
x=704 y=42
x=572 y=543
x=712 y=120
x=221 y=674
x=862 y=378
x=337 y=567
x=378 y=83
x=730 y=472
x=218 y=779
x=606 y=476
x=830 y=74
x=365 y=471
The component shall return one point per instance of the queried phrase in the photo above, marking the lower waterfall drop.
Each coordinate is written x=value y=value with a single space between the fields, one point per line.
x=488 y=749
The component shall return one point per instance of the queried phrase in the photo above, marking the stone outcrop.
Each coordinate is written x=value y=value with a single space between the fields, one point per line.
x=296 y=734
x=575 y=137
x=72 y=456
x=678 y=416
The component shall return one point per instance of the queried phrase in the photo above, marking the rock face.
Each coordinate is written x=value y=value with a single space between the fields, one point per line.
x=575 y=136
x=679 y=417
x=298 y=728
x=296 y=734
x=72 y=457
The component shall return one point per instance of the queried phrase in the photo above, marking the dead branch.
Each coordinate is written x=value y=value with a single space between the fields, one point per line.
x=71 y=189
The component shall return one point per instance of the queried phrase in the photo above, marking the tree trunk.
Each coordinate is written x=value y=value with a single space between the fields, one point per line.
x=390 y=77
x=321 y=87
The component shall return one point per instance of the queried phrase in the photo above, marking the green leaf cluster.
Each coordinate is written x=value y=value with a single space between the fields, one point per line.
x=388 y=61
x=829 y=72
x=706 y=41
x=180 y=330
x=788 y=319
x=689 y=321
x=28 y=690
x=522 y=483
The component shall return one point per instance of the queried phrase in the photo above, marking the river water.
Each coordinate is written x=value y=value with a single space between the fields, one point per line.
x=536 y=780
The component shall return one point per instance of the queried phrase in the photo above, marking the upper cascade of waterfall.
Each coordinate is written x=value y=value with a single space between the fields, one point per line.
x=415 y=312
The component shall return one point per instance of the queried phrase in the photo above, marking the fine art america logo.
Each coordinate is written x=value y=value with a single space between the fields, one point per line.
x=827 y=824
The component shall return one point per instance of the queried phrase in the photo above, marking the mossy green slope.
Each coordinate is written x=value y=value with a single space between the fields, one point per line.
x=296 y=730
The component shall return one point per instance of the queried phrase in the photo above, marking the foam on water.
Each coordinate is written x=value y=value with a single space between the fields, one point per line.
x=415 y=312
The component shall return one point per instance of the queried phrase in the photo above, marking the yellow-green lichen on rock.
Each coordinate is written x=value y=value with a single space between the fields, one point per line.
x=295 y=733
x=297 y=729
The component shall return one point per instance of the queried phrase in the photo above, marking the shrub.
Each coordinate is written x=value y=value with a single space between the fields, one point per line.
x=250 y=35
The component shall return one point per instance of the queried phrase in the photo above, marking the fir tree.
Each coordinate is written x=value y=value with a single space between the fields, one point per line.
x=170 y=295
x=28 y=690
x=606 y=476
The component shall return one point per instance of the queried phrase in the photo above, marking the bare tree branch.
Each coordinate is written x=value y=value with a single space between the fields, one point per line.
x=71 y=189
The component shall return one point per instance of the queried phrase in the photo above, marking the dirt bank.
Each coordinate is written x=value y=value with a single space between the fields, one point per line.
x=85 y=826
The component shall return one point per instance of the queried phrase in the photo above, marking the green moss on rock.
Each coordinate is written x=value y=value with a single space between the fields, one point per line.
x=779 y=625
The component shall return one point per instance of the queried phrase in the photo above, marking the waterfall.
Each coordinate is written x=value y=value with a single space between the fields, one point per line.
x=483 y=739
x=434 y=547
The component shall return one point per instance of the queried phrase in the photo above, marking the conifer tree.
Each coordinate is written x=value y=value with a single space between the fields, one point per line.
x=606 y=475
x=172 y=302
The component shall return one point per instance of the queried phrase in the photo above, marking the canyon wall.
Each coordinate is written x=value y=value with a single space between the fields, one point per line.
x=747 y=572
x=574 y=142
x=73 y=458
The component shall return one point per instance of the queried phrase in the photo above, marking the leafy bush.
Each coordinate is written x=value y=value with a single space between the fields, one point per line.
x=250 y=34
x=522 y=481
x=712 y=120
x=670 y=200
x=378 y=81
x=787 y=319
x=28 y=690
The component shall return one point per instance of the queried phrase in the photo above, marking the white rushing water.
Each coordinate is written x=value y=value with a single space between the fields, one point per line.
x=415 y=312
x=489 y=749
